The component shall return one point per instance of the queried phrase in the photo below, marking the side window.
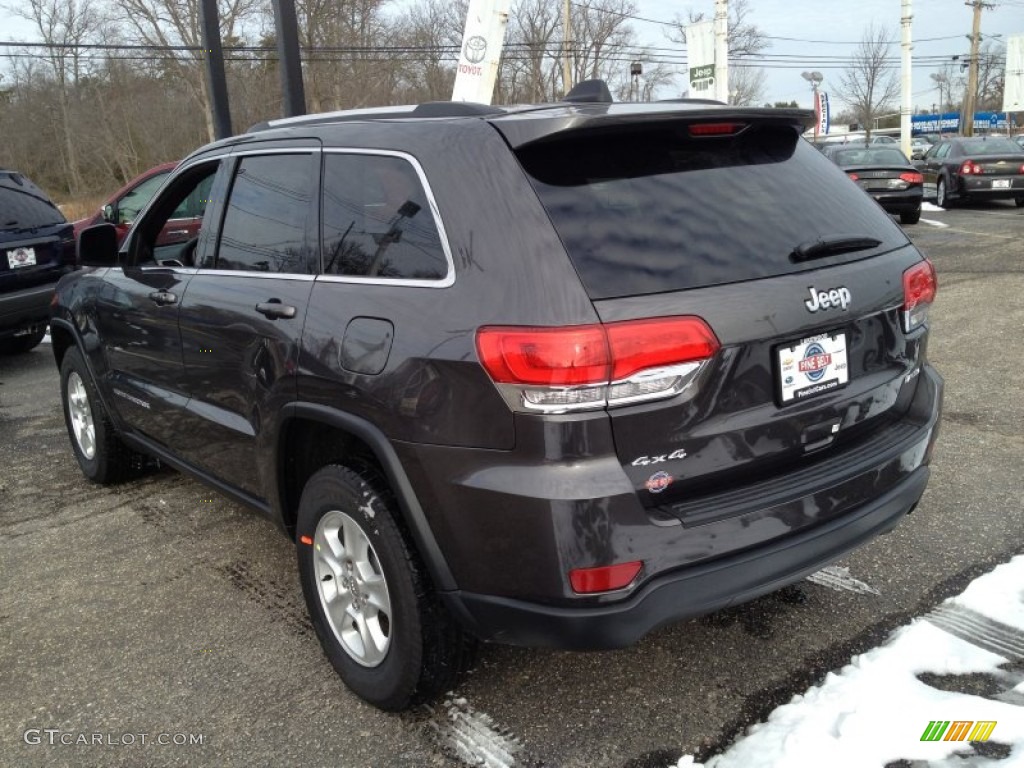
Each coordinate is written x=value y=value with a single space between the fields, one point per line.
x=147 y=246
x=129 y=206
x=942 y=151
x=377 y=222
x=267 y=214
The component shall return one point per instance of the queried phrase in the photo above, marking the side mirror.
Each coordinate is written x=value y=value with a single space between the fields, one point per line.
x=108 y=213
x=97 y=246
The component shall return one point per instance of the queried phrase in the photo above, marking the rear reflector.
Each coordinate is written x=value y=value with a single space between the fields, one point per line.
x=853 y=175
x=716 y=129
x=912 y=177
x=605 y=578
x=589 y=366
x=919 y=287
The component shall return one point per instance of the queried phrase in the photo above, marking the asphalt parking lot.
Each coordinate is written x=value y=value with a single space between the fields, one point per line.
x=158 y=608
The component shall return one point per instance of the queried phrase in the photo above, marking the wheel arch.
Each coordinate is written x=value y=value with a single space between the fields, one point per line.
x=312 y=436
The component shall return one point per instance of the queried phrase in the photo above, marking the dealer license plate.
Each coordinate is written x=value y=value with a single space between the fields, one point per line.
x=812 y=366
x=21 y=257
x=1000 y=184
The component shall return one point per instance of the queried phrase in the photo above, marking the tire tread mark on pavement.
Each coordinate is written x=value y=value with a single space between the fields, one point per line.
x=276 y=599
x=977 y=629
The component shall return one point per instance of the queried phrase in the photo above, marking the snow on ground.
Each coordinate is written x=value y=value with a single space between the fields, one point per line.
x=931 y=207
x=875 y=710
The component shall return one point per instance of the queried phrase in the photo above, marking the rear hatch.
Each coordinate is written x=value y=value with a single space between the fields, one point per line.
x=36 y=241
x=731 y=217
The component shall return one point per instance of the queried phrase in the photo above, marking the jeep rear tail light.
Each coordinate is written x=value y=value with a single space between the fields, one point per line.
x=970 y=167
x=919 y=286
x=912 y=177
x=583 y=367
x=604 y=578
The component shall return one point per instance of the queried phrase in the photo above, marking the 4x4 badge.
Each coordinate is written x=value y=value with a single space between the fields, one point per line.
x=833 y=297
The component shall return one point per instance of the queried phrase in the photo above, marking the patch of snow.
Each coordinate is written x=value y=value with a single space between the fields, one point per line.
x=840 y=580
x=875 y=710
x=473 y=737
x=939 y=224
x=931 y=207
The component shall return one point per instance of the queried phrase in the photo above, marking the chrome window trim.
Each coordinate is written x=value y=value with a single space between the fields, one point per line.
x=445 y=282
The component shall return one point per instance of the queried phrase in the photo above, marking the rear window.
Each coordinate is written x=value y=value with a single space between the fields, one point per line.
x=649 y=209
x=990 y=147
x=23 y=205
x=847 y=157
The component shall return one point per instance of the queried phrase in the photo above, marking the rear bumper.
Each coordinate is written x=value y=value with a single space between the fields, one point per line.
x=25 y=309
x=855 y=499
x=690 y=592
x=906 y=201
x=980 y=187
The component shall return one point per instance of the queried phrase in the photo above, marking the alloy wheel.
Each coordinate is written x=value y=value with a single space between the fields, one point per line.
x=352 y=588
x=80 y=413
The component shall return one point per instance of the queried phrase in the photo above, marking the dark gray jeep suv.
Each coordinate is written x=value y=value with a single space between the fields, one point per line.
x=551 y=375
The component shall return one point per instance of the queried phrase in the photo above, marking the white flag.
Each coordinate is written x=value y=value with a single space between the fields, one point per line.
x=700 y=56
x=1013 y=93
x=481 y=51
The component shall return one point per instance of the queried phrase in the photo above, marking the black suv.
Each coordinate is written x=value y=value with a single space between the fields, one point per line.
x=37 y=247
x=551 y=375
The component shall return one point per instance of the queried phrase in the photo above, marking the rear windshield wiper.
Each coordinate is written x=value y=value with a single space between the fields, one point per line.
x=833 y=244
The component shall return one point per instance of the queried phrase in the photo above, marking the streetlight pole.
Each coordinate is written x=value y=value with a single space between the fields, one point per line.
x=815 y=78
x=908 y=105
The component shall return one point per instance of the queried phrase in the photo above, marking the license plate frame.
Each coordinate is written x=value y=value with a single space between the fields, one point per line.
x=813 y=366
x=1000 y=183
x=18 y=258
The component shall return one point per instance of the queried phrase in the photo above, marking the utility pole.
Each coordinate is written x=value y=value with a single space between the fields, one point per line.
x=971 y=97
x=209 y=25
x=566 y=46
x=722 y=50
x=908 y=103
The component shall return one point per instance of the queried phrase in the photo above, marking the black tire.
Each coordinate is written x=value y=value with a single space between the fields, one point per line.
x=910 y=217
x=111 y=461
x=426 y=651
x=18 y=345
x=942 y=194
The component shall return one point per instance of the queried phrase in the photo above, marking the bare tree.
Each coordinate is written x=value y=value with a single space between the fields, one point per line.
x=172 y=23
x=869 y=86
x=63 y=26
x=747 y=83
x=991 y=76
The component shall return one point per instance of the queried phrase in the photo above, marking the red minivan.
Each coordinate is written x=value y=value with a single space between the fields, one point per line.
x=121 y=208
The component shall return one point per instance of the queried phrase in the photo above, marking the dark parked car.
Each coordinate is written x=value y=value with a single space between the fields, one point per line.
x=551 y=376
x=121 y=208
x=979 y=168
x=887 y=175
x=37 y=247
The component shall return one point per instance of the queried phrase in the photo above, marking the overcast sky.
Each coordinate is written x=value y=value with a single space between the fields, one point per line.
x=839 y=24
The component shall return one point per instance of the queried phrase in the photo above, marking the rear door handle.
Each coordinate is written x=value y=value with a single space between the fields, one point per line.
x=275 y=310
x=163 y=298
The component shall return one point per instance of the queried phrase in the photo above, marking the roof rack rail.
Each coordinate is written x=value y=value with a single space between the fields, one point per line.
x=686 y=100
x=427 y=109
x=455 y=109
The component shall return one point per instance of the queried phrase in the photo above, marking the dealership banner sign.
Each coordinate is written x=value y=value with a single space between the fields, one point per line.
x=481 y=51
x=700 y=55
x=821 y=112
